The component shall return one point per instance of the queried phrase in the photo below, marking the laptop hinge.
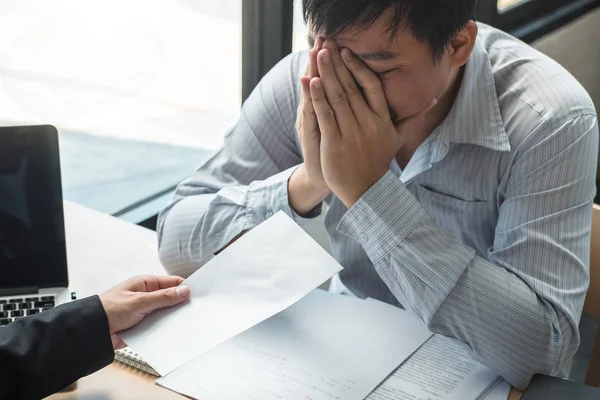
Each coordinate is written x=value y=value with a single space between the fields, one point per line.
x=17 y=291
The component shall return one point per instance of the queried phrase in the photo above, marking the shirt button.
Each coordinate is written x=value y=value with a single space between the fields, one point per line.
x=364 y=238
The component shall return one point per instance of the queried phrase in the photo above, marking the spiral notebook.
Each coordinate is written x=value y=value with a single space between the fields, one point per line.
x=131 y=358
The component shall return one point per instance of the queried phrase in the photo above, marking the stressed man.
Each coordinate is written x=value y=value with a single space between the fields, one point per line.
x=457 y=165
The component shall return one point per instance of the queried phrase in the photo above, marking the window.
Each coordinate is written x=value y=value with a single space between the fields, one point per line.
x=141 y=91
x=300 y=35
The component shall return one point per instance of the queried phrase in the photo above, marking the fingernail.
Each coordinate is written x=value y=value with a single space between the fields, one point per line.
x=326 y=58
x=183 y=291
x=317 y=85
x=347 y=54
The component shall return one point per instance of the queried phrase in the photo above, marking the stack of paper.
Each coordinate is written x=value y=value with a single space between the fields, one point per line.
x=254 y=329
x=324 y=347
x=441 y=369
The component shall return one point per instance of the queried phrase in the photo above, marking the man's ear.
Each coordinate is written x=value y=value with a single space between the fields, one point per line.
x=462 y=44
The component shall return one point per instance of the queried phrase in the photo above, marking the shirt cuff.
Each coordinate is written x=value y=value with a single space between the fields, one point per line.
x=265 y=198
x=382 y=217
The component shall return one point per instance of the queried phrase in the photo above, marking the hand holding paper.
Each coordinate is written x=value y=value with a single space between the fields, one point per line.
x=264 y=272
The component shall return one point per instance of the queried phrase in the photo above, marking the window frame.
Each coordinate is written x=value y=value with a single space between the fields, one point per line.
x=267 y=31
x=517 y=20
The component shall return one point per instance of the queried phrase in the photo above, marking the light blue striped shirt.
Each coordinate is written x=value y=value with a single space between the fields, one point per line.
x=485 y=235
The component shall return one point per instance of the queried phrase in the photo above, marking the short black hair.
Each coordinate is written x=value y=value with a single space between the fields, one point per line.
x=433 y=21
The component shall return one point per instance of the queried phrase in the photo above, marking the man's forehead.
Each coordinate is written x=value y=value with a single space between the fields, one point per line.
x=365 y=47
x=375 y=43
x=381 y=50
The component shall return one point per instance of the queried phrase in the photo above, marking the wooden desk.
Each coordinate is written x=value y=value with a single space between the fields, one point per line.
x=120 y=382
x=102 y=252
x=117 y=382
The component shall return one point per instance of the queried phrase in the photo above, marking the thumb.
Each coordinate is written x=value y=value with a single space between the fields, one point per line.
x=165 y=298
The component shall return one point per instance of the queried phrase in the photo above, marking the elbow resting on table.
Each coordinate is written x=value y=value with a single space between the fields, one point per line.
x=175 y=250
x=560 y=347
x=546 y=349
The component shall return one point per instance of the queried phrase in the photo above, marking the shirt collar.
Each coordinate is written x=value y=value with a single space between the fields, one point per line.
x=475 y=117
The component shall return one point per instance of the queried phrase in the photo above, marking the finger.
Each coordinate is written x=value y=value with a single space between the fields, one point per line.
x=310 y=140
x=163 y=298
x=334 y=93
x=310 y=126
x=348 y=83
x=165 y=282
x=370 y=83
x=312 y=63
x=313 y=70
x=325 y=114
x=153 y=283
x=319 y=42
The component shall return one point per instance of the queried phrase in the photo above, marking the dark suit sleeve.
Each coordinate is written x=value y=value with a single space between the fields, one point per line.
x=44 y=353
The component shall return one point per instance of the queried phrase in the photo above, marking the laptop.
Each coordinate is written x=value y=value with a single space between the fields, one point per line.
x=33 y=255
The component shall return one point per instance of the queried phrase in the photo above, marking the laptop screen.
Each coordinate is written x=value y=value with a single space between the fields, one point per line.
x=32 y=234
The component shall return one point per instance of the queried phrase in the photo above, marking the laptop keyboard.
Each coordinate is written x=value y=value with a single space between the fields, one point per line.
x=13 y=308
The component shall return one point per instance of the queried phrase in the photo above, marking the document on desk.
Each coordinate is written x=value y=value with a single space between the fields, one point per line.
x=264 y=272
x=500 y=392
x=324 y=347
x=442 y=369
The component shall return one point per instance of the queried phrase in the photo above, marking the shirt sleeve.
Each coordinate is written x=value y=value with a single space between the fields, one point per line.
x=519 y=309
x=44 y=353
x=245 y=182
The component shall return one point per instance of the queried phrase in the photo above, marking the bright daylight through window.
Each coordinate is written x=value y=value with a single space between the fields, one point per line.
x=141 y=91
